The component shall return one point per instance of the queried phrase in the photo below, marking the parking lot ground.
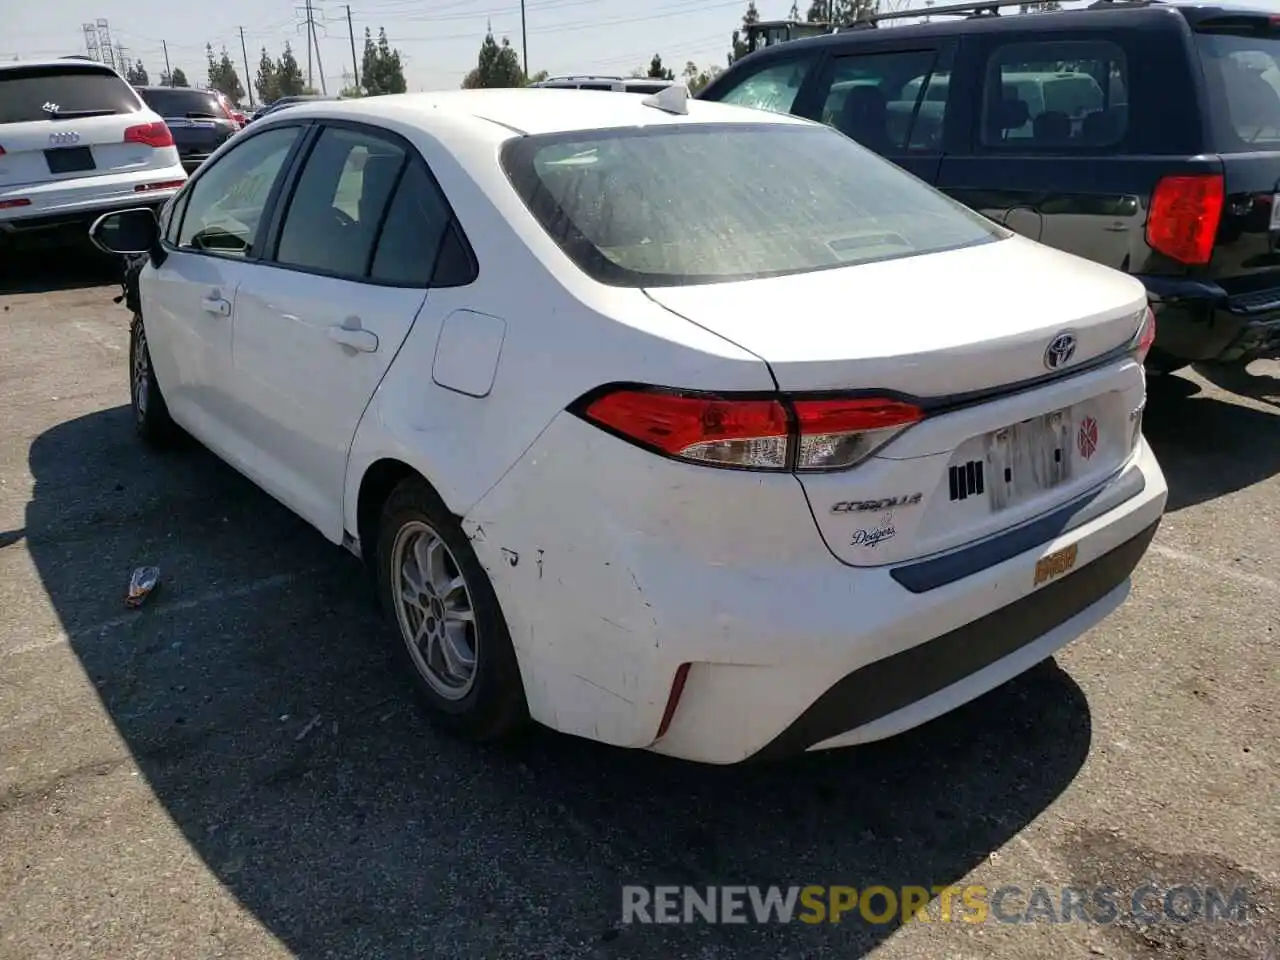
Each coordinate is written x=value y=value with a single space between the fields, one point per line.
x=234 y=770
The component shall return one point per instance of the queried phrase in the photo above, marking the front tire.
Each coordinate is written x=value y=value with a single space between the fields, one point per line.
x=151 y=418
x=452 y=637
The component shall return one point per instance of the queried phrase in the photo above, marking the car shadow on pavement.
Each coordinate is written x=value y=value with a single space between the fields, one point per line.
x=72 y=267
x=256 y=695
x=1208 y=447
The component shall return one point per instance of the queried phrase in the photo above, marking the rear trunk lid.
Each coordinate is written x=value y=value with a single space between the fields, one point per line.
x=1241 y=59
x=196 y=118
x=966 y=334
x=65 y=122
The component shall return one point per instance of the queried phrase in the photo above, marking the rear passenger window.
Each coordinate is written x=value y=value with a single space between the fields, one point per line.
x=1049 y=96
x=338 y=204
x=774 y=88
x=888 y=102
x=410 y=240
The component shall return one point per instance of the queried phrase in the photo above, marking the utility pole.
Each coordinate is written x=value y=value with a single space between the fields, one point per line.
x=524 y=40
x=168 y=70
x=351 y=33
x=315 y=38
x=248 y=78
x=309 y=35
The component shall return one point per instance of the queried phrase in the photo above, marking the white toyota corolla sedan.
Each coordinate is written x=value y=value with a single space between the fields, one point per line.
x=670 y=424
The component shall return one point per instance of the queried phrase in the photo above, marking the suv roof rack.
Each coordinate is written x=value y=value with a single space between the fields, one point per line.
x=589 y=76
x=974 y=10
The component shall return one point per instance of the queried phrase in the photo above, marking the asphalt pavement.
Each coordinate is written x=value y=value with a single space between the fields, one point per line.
x=235 y=770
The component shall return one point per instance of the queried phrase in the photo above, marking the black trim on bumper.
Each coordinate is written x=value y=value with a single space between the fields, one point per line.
x=925 y=575
x=897 y=681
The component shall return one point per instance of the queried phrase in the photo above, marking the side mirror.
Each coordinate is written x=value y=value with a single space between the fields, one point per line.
x=126 y=232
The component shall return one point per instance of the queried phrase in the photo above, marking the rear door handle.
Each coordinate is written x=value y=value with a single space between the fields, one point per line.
x=351 y=334
x=217 y=306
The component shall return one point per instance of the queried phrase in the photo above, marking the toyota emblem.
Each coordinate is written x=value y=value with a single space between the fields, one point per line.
x=1060 y=351
x=64 y=138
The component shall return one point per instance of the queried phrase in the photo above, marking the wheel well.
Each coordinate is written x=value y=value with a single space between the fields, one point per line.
x=379 y=480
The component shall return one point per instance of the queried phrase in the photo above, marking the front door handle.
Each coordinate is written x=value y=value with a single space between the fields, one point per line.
x=351 y=334
x=217 y=306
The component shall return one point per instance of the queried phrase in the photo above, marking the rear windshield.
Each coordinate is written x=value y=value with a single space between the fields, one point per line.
x=51 y=93
x=684 y=204
x=1243 y=68
x=173 y=102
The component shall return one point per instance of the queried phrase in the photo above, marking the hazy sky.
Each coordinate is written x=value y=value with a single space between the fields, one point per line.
x=440 y=38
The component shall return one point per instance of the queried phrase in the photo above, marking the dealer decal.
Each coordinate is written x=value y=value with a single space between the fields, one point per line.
x=873 y=536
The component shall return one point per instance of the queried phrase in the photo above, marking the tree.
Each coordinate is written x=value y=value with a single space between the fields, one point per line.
x=288 y=74
x=697 y=79
x=794 y=12
x=841 y=11
x=382 y=69
x=223 y=75
x=350 y=93
x=657 y=71
x=739 y=41
x=538 y=77
x=265 y=82
x=497 y=66
x=179 y=79
x=137 y=75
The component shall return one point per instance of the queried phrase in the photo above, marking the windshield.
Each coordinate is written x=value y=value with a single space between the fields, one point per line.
x=50 y=93
x=683 y=204
x=1244 y=72
x=172 y=102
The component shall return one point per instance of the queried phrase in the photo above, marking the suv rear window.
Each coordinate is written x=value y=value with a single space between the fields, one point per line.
x=1243 y=67
x=72 y=92
x=174 y=102
x=701 y=203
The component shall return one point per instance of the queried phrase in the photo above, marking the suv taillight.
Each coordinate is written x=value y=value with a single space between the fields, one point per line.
x=152 y=134
x=752 y=433
x=1184 y=216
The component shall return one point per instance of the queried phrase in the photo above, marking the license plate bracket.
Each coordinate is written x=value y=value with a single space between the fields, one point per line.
x=69 y=160
x=1028 y=458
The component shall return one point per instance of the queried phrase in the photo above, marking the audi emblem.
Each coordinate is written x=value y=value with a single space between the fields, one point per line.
x=64 y=138
x=1060 y=351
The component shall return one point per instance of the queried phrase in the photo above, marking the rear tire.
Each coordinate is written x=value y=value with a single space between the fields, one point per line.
x=452 y=638
x=151 y=418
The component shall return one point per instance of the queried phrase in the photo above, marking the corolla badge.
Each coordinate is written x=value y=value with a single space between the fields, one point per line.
x=1060 y=351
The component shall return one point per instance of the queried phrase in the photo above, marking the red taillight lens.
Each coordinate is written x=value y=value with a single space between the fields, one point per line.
x=162 y=185
x=10 y=204
x=714 y=430
x=152 y=134
x=1184 y=216
x=1145 y=336
x=751 y=433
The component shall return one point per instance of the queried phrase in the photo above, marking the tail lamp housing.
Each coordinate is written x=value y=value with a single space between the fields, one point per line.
x=1145 y=337
x=155 y=134
x=1184 y=216
x=769 y=432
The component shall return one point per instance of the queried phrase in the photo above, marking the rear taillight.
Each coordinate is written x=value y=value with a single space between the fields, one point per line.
x=162 y=185
x=752 y=433
x=1145 y=337
x=11 y=204
x=1184 y=216
x=1 y=151
x=152 y=134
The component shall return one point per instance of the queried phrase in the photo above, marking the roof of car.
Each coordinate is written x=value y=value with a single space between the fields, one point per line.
x=73 y=62
x=538 y=110
x=1101 y=13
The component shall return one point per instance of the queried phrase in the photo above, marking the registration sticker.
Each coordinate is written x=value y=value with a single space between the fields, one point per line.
x=1055 y=564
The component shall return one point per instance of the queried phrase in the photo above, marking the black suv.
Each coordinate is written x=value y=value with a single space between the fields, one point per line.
x=197 y=119
x=1142 y=135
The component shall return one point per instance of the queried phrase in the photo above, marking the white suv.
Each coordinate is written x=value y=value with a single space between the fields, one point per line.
x=75 y=141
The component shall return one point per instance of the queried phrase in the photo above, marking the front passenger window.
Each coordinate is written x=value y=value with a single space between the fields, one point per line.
x=338 y=203
x=224 y=212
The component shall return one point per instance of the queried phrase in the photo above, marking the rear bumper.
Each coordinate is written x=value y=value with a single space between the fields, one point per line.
x=1199 y=321
x=71 y=202
x=783 y=648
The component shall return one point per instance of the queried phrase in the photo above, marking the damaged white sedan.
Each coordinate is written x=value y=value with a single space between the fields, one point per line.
x=670 y=424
